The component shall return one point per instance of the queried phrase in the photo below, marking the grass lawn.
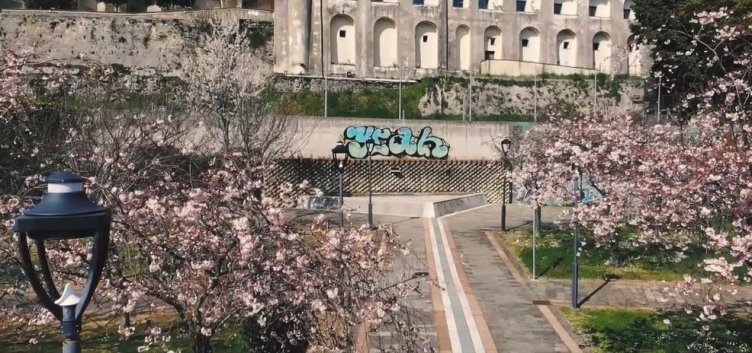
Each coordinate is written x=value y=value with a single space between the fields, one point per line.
x=554 y=259
x=627 y=331
x=105 y=339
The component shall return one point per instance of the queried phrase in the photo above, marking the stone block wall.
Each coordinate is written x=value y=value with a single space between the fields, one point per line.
x=150 y=44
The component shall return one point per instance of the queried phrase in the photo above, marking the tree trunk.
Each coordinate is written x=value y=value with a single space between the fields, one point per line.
x=201 y=344
x=125 y=320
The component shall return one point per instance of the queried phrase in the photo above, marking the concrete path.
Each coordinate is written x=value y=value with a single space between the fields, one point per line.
x=483 y=302
x=516 y=323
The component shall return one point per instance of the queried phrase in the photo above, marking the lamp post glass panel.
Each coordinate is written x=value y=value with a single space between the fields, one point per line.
x=64 y=213
x=505 y=145
x=339 y=154
x=369 y=148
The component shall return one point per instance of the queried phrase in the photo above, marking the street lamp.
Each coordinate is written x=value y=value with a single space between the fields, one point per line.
x=339 y=154
x=369 y=148
x=505 y=145
x=65 y=213
x=576 y=244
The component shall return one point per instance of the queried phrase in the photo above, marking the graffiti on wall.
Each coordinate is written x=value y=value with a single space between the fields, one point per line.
x=400 y=142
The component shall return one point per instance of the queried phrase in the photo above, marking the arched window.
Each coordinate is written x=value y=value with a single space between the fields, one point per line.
x=634 y=57
x=426 y=46
x=600 y=8
x=602 y=52
x=566 y=48
x=463 y=48
x=530 y=45
x=493 y=45
x=628 y=13
x=385 y=43
x=342 y=40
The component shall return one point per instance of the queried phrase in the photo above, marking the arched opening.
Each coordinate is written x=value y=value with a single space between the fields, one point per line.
x=628 y=13
x=602 y=52
x=565 y=7
x=426 y=46
x=530 y=45
x=600 y=8
x=634 y=57
x=463 y=48
x=493 y=45
x=342 y=40
x=566 y=48
x=385 y=43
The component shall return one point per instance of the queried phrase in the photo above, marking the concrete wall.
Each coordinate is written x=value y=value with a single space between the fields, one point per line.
x=539 y=17
x=514 y=68
x=468 y=141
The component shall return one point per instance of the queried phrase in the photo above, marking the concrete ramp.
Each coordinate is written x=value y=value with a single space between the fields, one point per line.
x=407 y=205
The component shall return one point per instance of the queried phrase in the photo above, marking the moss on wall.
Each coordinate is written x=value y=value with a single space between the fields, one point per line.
x=493 y=98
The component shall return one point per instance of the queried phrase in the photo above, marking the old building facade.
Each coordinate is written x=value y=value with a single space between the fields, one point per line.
x=414 y=38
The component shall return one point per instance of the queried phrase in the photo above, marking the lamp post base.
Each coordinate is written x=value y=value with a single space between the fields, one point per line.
x=504 y=217
x=70 y=346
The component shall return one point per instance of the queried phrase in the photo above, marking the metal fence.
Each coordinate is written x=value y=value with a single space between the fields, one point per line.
x=396 y=176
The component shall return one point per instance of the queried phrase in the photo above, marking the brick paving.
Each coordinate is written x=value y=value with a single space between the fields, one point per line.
x=593 y=293
x=516 y=324
x=419 y=308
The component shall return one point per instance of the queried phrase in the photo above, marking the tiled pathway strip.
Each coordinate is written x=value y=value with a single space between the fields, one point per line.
x=463 y=330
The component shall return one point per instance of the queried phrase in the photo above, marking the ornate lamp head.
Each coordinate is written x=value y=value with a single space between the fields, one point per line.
x=64 y=213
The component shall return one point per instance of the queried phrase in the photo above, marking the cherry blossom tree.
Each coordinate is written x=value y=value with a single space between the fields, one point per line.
x=197 y=231
x=681 y=185
x=227 y=81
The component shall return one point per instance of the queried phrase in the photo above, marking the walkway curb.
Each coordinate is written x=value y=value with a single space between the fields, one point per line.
x=442 y=330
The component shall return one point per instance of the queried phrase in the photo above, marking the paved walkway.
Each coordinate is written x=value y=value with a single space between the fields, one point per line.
x=486 y=303
x=516 y=323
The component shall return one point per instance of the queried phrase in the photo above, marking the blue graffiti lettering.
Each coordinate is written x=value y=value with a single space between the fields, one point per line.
x=401 y=142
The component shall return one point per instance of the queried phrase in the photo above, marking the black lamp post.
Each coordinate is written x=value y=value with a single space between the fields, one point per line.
x=369 y=148
x=576 y=244
x=339 y=154
x=65 y=213
x=505 y=145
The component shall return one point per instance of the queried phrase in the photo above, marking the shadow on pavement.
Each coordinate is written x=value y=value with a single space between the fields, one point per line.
x=607 y=280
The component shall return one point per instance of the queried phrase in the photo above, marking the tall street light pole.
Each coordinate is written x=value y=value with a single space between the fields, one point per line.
x=576 y=245
x=505 y=145
x=399 y=103
x=339 y=154
x=65 y=213
x=321 y=51
x=369 y=148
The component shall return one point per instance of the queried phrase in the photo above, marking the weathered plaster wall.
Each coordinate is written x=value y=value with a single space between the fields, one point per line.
x=146 y=43
x=305 y=21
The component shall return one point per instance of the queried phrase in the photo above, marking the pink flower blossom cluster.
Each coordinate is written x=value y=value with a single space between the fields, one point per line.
x=681 y=185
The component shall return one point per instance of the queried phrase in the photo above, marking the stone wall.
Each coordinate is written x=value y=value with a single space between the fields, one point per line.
x=148 y=44
x=494 y=96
